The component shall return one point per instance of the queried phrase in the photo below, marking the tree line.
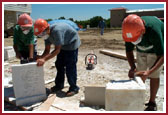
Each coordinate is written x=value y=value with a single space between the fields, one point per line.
x=93 y=22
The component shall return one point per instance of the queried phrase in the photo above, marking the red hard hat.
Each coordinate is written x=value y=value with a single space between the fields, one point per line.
x=25 y=20
x=132 y=28
x=39 y=26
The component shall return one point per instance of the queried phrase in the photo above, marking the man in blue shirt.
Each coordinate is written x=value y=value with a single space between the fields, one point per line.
x=102 y=25
x=66 y=41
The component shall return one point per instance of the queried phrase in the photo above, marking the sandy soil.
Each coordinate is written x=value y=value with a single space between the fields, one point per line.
x=108 y=68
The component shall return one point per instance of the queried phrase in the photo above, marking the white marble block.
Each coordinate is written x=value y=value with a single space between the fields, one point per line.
x=9 y=53
x=94 y=95
x=125 y=95
x=28 y=82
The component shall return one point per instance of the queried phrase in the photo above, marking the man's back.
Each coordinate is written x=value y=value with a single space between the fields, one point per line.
x=65 y=35
x=102 y=24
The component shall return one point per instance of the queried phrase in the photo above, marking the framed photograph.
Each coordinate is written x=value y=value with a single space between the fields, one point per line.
x=83 y=57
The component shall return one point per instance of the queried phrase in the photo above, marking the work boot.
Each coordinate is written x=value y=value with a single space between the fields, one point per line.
x=55 y=89
x=72 y=92
x=151 y=106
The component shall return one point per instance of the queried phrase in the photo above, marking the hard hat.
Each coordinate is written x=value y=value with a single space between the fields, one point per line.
x=132 y=28
x=25 y=20
x=39 y=26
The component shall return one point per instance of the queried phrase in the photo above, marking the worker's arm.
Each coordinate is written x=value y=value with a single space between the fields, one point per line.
x=18 y=55
x=46 y=52
x=53 y=53
x=46 y=55
x=157 y=64
x=159 y=50
x=31 y=51
x=130 y=57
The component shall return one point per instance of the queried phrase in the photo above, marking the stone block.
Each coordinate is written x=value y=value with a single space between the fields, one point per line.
x=9 y=53
x=125 y=95
x=94 y=95
x=28 y=82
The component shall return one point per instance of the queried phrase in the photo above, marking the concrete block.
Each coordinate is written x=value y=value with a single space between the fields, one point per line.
x=28 y=82
x=9 y=53
x=125 y=95
x=95 y=95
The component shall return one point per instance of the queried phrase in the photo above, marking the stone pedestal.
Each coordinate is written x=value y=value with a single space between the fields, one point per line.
x=9 y=53
x=28 y=82
x=94 y=95
x=126 y=95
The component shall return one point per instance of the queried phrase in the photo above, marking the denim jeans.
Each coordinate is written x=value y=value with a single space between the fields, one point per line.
x=102 y=31
x=66 y=64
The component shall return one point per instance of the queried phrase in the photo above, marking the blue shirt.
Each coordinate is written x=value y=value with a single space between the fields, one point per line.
x=102 y=24
x=71 y=23
x=65 y=35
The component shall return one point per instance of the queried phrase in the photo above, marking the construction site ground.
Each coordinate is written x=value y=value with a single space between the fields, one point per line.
x=108 y=68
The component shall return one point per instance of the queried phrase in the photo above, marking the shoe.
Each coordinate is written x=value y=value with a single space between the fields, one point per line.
x=151 y=106
x=71 y=93
x=55 y=89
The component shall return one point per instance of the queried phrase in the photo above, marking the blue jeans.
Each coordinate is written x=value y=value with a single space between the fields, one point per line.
x=102 y=31
x=66 y=64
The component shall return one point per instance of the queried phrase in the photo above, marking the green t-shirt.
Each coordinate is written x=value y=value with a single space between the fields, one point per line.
x=153 y=39
x=21 y=40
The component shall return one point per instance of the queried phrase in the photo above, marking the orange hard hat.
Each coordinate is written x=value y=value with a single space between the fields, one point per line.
x=25 y=20
x=132 y=28
x=39 y=26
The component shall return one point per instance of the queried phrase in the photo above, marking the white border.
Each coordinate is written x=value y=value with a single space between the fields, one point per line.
x=2 y=57
x=165 y=52
x=83 y=3
x=164 y=104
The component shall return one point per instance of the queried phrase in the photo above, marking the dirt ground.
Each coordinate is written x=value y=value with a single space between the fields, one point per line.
x=108 y=68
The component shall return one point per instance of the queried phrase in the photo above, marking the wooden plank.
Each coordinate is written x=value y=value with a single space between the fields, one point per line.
x=11 y=101
x=46 y=105
x=114 y=54
x=10 y=98
x=55 y=109
x=49 y=81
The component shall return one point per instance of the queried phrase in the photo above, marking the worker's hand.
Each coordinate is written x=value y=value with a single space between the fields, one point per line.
x=40 y=62
x=143 y=74
x=140 y=73
x=18 y=55
x=131 y=73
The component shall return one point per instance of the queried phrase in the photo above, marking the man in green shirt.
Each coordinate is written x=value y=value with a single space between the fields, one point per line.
x=147 y=34
x=24 y=39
